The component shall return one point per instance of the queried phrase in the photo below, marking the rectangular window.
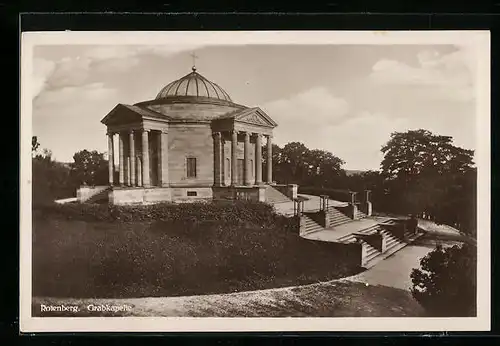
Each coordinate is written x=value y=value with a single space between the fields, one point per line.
x=192 y=194
x=191 y=167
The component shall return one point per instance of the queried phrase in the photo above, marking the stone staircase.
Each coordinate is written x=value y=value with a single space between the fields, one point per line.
x=275 y=196
x=100 y=197
x=392 y=243
x=310 y=225
x=337 y=217
x=370 y=254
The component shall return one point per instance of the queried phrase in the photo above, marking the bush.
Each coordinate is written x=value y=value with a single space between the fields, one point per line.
x=234 y=213
x=445 y=285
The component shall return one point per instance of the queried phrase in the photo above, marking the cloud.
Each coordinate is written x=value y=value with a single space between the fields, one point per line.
x=67 y=120
x=359 y=139
x=69 y=73
x=449 y=76
x=314 y=106
x=98 y=60
x=301 y=116
x=42 y=69
x=321 y=120
x=74 y=96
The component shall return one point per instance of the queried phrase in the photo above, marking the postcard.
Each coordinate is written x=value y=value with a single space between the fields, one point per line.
x=255 y=181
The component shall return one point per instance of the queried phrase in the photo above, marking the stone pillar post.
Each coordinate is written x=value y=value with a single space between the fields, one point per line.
x=367 y=204
x=247 y=168
x=234 y=158
x=258 y=159
x=131 y=142
x=121 y=162
x=128 y=177
x=223 y=172
x=269 y=159
x=217 y=159
x=145 y=159
x=111 y=158
x=163 y=159
x=139 y=171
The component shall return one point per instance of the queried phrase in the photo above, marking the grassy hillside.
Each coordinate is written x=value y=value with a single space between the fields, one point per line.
x=168 y=250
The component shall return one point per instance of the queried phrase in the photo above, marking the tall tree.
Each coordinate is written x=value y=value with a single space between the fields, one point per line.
x=426 y=173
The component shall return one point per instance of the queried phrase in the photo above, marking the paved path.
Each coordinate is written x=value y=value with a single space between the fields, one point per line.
x=340 y=298
x=395 y=270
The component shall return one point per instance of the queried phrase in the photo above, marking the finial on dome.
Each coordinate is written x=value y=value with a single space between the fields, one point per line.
x=194 y=56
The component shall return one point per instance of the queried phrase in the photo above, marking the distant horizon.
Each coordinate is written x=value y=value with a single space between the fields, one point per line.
x=346 y=99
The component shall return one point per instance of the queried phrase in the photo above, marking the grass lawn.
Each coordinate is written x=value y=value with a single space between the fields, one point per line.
x=78 y=258
x=332 y=299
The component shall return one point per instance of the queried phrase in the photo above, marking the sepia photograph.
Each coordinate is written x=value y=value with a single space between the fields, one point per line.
x=255 y=181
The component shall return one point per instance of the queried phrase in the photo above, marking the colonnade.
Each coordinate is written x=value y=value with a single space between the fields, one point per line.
x=134 y=166
x=247 y=178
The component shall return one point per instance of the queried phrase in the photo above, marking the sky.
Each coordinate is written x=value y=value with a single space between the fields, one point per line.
x=346 y=99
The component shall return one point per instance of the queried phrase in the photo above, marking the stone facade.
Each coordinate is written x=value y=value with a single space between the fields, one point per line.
x=190 y=143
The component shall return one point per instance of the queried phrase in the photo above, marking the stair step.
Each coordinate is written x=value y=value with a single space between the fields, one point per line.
x=371 y=256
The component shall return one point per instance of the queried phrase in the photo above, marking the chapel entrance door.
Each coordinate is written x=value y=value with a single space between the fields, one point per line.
x=240 y=172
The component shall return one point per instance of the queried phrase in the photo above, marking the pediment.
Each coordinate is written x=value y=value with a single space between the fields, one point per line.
x=125 y=114
x=255 y=116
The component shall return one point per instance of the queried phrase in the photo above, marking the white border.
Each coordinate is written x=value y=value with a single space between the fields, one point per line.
x=480 y=40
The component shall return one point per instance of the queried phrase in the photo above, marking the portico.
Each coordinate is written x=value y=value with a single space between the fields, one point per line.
x=142 y=157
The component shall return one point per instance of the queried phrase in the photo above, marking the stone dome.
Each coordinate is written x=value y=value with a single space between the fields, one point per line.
x=194 y=85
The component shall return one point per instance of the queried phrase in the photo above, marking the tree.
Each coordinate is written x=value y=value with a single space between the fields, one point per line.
x=409 y=154
x=89 y=167
x=34 y=144
x=297 y=164
x=50 y=179
x=445 y=283
x=426 y=173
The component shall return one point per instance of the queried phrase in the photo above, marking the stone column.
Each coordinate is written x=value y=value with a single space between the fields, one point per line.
x=145 y=159
x=131 y=142
x=139 y=171
x=223 y=160
x=217 y=158
x=111 y=158
x=163 y=158
x=258 y=159
x=269 y=159
x=128 y=179
x=121 y=162
x=247 y=168
x=234 y=158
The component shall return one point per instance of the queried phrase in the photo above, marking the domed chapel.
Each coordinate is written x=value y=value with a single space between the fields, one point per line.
x=191 y=142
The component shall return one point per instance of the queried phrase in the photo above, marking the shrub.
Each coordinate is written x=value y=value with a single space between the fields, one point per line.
x=237 y=213
x=445 y=284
